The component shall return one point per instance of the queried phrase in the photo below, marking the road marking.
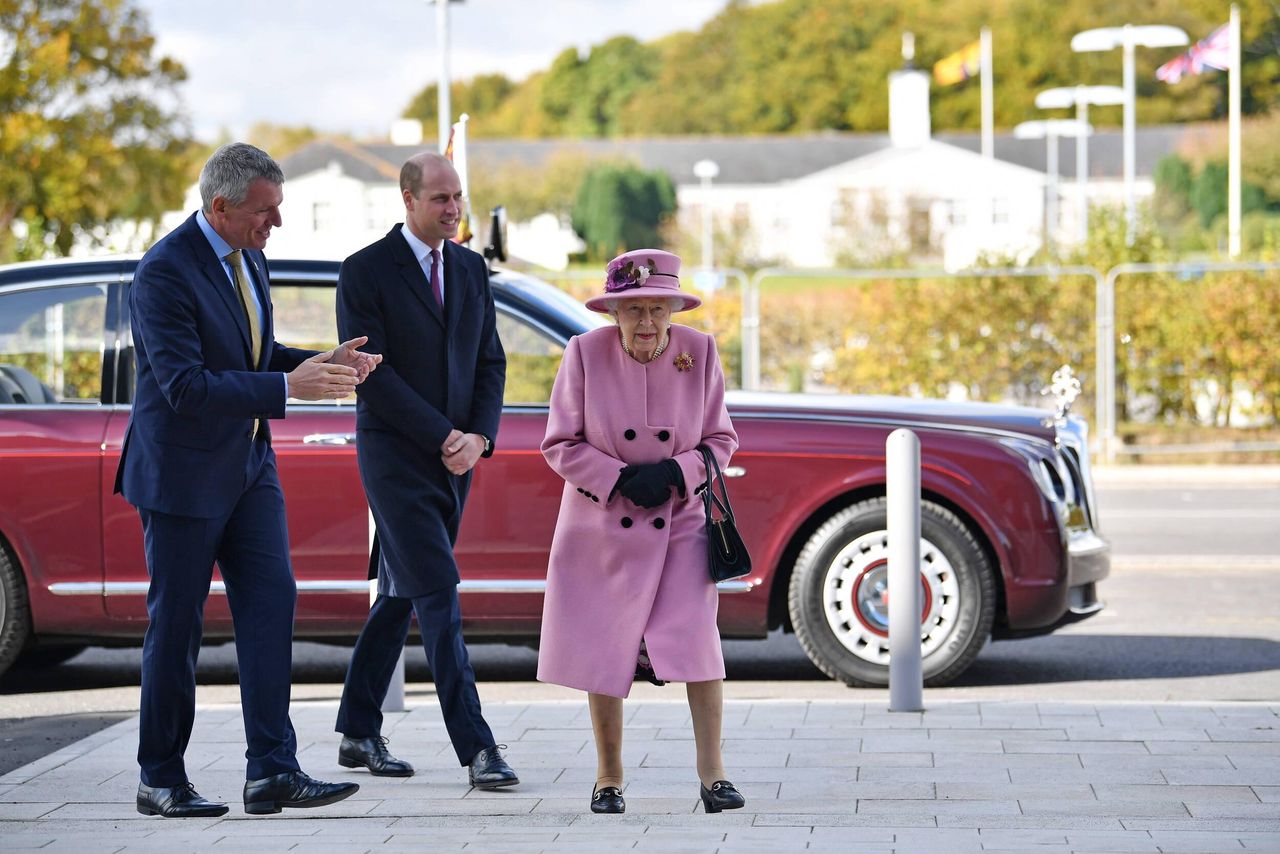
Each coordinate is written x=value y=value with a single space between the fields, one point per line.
x=1182 y=561
x=1186 y=513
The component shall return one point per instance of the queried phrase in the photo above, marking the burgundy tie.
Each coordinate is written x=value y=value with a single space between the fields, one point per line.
x=435 y=277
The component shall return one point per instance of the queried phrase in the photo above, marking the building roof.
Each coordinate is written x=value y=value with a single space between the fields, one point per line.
x=747 y=159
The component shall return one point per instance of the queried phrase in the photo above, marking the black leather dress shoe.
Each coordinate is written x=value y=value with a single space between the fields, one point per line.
x=488 y=770
x=176 y=802
x=372 y=753
x=722 y=795
x=608 y=800
x=292 y=789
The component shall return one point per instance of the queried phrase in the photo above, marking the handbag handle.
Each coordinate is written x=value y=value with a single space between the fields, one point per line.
x=714 y=476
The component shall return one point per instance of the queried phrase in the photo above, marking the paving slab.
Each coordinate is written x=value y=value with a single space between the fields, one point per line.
x=819 y=775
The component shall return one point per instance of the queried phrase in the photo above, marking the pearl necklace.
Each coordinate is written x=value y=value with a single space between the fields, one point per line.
x=656 y=353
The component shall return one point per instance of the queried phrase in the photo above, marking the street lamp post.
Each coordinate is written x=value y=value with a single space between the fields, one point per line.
x=1050 y=130
x=705 y=170
x=1081 y=97
x=1128 y=37
x=444 y=110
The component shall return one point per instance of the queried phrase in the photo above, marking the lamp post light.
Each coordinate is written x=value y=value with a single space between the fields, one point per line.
x=1128 y=37
x=444 y=110
x=705 y=170
x=1049 y=130
x=1081 y=97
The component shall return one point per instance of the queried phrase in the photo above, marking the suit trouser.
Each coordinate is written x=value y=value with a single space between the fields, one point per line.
x=377 y=651
x=251 y=547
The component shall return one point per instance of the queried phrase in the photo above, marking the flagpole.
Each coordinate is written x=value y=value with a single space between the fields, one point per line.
x=988 y=108
x=460 y=153
x=1233 y=132
x=444 y=112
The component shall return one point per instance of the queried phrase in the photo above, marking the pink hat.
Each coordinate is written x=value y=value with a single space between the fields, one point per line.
x=642 y=274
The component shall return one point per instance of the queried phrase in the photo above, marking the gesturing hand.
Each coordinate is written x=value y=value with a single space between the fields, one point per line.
x=319 y=379
x=347 y=354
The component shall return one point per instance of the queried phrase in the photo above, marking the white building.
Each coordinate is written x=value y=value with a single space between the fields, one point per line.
x=810 y=200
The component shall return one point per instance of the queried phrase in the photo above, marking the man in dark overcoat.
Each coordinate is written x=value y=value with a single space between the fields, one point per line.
x=423 y=421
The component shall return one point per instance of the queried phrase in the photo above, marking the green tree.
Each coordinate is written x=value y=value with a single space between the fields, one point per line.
x=90 y=134
x=1209 y=193
x=480 y=98
x=622 y=207
x=805 y=65
x=1173 y=188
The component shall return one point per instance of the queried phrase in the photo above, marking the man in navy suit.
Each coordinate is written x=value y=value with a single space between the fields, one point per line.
x=423 y=421
x=197 y=463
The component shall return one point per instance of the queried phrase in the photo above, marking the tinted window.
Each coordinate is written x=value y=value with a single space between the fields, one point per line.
x=533 y=358
x=51 y=345
x=306 y=317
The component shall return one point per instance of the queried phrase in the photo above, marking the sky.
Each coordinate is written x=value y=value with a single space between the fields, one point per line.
x=352 y=67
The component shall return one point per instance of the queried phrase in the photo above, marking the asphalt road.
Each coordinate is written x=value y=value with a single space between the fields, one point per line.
x=1191 y=616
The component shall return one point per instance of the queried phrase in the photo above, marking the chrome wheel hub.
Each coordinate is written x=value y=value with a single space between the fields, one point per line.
x=856 y=603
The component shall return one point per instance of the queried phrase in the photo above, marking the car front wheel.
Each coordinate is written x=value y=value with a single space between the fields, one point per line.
x=838 y=597
x=15 y=622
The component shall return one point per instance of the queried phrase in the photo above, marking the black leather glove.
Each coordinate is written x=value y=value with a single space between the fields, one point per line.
x=649 y=484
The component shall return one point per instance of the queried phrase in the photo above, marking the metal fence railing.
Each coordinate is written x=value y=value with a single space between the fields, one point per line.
x=1099 y=359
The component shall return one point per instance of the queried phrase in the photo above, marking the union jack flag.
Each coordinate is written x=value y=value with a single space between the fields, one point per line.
x=1212 y=51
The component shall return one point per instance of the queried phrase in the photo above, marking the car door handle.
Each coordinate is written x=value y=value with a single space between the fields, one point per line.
x=329 y=439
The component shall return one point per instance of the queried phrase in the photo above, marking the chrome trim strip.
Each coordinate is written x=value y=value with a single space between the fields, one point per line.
x=895 y=422
x=512 y=585
x=112 y=277
x=329 y=439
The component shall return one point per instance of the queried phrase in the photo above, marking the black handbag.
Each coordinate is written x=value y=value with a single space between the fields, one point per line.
x=726 y=553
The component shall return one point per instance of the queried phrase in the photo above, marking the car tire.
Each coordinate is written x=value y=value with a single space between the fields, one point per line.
x=837 y=595
x=15 y=610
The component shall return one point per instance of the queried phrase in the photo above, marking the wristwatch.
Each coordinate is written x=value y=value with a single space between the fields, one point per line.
x=488 y=445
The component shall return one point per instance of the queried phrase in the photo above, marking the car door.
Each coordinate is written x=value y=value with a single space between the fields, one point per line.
x=54 y=344
x=505 y=538
x=315 y=453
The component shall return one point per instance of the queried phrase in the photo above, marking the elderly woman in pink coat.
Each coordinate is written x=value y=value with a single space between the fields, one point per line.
x=628 y=579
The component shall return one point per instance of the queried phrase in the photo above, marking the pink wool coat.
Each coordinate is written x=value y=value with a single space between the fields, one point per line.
x=619 y=573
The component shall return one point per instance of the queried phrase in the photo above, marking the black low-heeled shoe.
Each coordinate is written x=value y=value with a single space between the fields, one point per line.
x=607 y=800
x=722 y=795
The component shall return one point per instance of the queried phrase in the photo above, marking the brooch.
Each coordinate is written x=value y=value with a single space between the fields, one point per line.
x=684 y=362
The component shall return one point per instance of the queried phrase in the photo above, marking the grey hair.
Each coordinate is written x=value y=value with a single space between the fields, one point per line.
x=230 y=171
x=674 y=304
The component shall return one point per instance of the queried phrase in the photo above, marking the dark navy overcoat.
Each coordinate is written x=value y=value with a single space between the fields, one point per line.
x=440 y=370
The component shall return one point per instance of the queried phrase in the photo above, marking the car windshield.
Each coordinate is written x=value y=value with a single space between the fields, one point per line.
x=555 y=300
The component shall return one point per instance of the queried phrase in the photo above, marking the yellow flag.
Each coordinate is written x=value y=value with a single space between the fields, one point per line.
x=959 y=66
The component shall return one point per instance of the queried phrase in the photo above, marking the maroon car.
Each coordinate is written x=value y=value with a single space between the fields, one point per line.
x=1009 y=534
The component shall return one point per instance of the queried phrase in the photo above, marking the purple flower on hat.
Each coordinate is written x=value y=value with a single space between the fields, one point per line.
x=621 y=276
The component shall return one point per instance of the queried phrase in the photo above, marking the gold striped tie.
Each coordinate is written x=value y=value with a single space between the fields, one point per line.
x=250 y=312
x=248 y=303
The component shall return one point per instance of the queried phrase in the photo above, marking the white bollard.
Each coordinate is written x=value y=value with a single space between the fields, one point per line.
x=902 y=474
x=394 y=701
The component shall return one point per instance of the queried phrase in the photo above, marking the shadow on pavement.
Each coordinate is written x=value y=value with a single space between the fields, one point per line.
x=1045 y=660
x=24 y=740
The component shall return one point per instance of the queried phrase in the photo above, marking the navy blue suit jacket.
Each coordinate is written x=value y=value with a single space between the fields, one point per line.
x=440 y=370
x=197 y=391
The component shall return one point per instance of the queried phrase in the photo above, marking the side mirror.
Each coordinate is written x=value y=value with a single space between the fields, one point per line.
x=496 y=249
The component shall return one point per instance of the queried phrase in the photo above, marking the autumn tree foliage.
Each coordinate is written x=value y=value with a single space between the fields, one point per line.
x=90 y=128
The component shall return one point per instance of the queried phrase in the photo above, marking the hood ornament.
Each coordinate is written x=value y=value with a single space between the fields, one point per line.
x=1065 y=388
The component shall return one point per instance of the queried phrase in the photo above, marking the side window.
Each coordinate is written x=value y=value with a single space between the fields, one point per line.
x=532 y=361
x=51 y=345
x=306 y=317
